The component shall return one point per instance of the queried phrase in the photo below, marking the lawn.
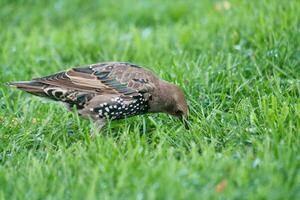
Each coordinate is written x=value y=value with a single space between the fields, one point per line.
x=238 y=63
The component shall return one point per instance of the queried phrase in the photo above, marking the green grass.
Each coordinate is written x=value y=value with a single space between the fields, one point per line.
x=237 y=61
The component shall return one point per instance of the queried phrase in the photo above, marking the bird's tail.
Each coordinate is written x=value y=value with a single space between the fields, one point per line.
x=33 y=87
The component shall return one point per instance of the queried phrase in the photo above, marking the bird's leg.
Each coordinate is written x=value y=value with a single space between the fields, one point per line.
x=97 y=126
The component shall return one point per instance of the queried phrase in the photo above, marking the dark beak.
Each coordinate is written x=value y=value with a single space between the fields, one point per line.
x=185 y=122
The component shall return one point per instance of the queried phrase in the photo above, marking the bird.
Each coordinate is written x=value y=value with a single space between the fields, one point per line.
x=110 y=91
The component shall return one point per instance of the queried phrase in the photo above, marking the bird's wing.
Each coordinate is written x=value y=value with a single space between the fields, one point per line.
x=104 y=78
x=115 y=90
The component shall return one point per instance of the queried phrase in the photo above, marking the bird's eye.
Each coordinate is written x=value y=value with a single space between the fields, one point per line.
x=178 y=113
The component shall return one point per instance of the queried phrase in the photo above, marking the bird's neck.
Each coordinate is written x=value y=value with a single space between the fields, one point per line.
x=162 y=97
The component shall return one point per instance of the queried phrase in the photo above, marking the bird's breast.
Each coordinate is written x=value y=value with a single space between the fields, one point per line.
x=119 y=108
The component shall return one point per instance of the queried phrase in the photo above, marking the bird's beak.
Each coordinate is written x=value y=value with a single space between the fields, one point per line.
x=185 y=122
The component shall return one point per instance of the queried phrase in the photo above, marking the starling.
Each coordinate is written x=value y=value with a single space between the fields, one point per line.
x=111 y=90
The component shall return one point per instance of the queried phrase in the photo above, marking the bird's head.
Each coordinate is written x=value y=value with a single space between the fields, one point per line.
x=180 y=106
x=174 y=102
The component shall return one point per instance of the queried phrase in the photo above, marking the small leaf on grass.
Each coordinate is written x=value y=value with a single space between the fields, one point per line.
x=34 y=120
x=220 y=187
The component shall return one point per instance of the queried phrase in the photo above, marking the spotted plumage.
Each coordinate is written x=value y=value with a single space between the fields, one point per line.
x=112 y=90
x=116 y=108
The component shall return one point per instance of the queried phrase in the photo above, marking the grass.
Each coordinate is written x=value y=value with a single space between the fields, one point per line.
x=237 y=61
